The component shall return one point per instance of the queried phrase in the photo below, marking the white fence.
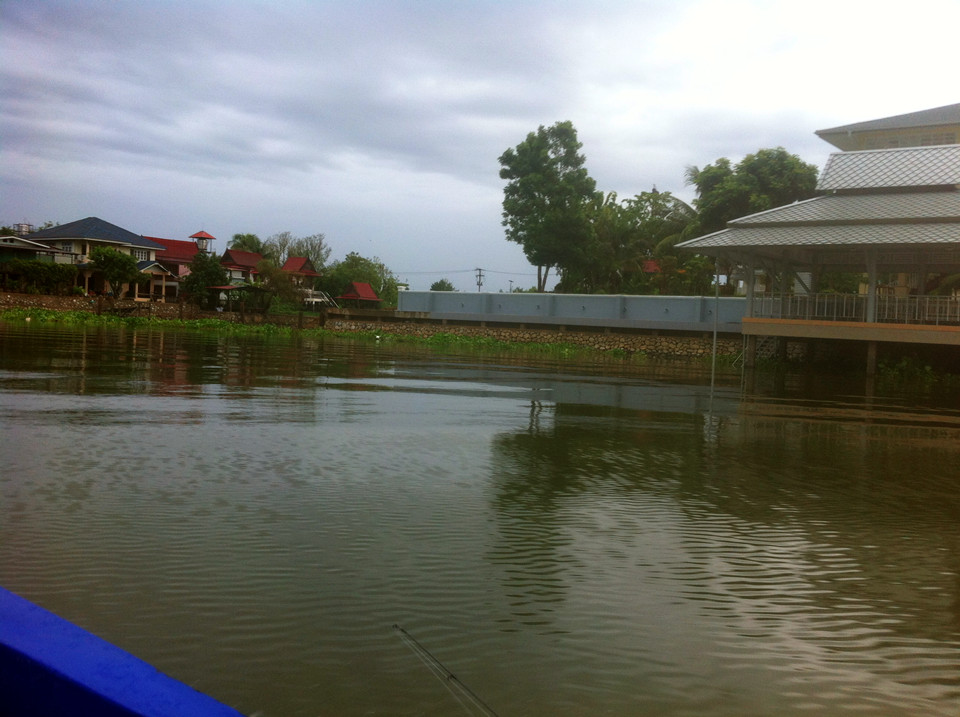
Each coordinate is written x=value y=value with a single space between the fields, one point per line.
x=853 y=307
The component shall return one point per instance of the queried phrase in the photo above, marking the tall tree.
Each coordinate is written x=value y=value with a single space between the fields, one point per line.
x=546 y=202
x=767 y=179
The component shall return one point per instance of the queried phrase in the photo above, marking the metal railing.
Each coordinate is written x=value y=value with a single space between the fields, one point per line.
x=934 y=310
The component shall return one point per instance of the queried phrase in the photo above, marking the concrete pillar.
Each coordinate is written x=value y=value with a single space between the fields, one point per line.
x=871 y=358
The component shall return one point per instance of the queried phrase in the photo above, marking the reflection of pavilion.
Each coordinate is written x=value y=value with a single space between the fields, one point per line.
x=889 y=209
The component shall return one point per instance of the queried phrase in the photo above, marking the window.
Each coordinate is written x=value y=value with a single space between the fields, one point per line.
x=66 y=246
x=141 y=254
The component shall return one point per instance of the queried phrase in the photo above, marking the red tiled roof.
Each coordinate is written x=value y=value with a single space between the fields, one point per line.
x=299 y=265
x=175 y=249
x=360 y=290
x=202 y=235
x=241 y=259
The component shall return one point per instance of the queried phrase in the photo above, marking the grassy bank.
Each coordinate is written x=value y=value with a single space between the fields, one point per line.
x=444 y=342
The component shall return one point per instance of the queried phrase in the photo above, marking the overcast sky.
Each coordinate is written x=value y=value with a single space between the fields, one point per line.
x=379 y=124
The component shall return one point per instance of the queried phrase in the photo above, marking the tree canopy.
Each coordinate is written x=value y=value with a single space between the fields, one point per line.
x=251 y=243
x=117 y=268
x=767 y=179
x=279 y=284
x=442 y=285
x=631 y=249
x=547 y=199
x=205 y=271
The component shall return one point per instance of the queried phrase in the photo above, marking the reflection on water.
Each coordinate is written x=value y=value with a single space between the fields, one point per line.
x=253 y=515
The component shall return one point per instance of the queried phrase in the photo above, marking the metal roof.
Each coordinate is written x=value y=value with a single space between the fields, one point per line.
x=826 y=235
x=892 y=168
x=948 y=114
x=862 y=208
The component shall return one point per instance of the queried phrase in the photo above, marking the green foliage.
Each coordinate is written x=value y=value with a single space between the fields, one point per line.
x=252 y=243
x=280 y=284
x=205 y=271
x=547 y=199
x=42 y=277
x=117 y=268
x=632 y=249
x=442 y=285
x=338 y=276
x=767 y=179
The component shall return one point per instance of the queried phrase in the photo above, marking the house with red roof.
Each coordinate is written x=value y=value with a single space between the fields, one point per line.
x=301 y=270
x=176 y=256
x=360 y=291
x=241 y=266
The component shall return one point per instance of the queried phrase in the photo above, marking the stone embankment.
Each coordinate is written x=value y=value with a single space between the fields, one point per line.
x=663 y=345
x=666 y=345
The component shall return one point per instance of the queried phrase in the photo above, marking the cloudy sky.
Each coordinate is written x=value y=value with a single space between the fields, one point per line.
x=379 y=124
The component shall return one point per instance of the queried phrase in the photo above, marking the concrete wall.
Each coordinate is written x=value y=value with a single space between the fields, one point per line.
x=677 y=313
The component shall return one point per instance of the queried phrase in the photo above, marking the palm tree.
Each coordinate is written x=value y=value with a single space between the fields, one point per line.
x=249 y=242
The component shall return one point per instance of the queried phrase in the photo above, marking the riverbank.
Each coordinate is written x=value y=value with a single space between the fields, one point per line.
x=383 y=324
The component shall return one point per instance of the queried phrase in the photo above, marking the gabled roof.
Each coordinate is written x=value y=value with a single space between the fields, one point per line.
x=892 y=168
x=946 y=115
x=241 y=259
x=96 y=229
x=361 y=291
x=146 y=264
x=175 y=249
x=299 y=265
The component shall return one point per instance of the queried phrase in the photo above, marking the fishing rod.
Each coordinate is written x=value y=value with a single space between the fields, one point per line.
x=466 y=697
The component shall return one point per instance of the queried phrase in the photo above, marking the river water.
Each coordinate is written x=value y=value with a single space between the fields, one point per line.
x=254 y=515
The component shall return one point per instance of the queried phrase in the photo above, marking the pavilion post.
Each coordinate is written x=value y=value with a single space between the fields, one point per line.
x=871 y=314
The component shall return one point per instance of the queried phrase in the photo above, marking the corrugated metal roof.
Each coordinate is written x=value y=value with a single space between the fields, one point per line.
x=837 y=235
x=892 y=168
x=866 y=208
x=948 y=114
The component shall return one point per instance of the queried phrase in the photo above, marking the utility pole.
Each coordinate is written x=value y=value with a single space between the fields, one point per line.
x=511 y=285
x=479 y=278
